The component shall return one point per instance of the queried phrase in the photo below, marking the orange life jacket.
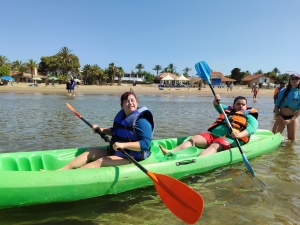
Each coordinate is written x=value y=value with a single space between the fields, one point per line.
x=238 y=120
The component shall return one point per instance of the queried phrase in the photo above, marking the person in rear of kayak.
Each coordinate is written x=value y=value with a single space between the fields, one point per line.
x=132 y=131
x=218 y=138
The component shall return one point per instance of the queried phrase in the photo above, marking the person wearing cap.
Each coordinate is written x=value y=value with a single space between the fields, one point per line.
x=287 y=107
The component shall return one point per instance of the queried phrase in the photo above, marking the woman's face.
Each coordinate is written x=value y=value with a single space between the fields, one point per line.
x=240 y=104
x=129 y=105
x=294 y=81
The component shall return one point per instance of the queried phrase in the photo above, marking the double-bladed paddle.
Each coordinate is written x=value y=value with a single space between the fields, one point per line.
x=204 y=72
x=181 y=200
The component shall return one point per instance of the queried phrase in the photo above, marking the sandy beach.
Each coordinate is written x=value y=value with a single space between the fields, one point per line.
x=24 y=88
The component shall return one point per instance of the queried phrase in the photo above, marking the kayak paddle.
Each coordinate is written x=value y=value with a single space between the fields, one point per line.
x=182 y=201
x=204 y=72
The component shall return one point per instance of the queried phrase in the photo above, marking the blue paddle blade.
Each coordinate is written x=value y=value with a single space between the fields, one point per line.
x=248 y=165
x=203 y=70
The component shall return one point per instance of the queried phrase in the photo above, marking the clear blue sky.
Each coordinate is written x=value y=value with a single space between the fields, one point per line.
x=250 y=35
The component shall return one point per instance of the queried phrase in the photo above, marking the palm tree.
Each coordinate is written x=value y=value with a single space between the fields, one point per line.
x=111 y=72
x=171 y=68
x=119 y=74
x=139 y=67
x=3 y=60
x=66 y=57
x=276 y=71
x=86 y=71
x=259 y=72
x=186 y=71
x=157 y=68
x=32 y=65
x=19 y=67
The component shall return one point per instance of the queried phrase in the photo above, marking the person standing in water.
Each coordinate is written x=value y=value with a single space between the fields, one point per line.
x=255 y=90
x=287 y=108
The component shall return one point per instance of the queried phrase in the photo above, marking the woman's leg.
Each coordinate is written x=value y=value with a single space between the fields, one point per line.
x=107 y=161
x=90 y=155
x=292 y=130
x=196 y=140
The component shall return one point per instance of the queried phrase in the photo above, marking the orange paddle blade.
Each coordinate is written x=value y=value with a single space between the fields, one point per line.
x=183 y=201
x=73 y=110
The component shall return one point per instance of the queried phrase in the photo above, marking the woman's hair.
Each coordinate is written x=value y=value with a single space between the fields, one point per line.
x=126 y=94
x=287 y=90
x=238 y=98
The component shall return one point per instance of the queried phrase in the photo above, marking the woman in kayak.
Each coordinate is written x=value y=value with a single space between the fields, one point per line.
x=287 y=108
x=132 y=131
x=243 y=122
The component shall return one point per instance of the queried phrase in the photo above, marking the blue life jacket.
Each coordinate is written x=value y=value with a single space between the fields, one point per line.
x=124 y=129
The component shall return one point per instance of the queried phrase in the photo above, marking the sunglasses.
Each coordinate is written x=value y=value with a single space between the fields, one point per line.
x=295 y=78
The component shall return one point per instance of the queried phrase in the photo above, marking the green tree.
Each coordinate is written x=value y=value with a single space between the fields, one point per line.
x=119 y=74
x=157 y=68
x=259 y=72
x=276 y=71
x=4 y=70
x=186 y=71
x=139 y=67
x=237 y=74
x=148 y=76
x=66 y=57
x=19 y=67
x=111 y=72
x=3 y=60
x=31 y=64
x=171 y=68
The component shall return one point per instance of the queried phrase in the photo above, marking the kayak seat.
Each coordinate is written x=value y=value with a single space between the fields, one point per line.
x=166 y=143
x=30 y=163
x=183 y=154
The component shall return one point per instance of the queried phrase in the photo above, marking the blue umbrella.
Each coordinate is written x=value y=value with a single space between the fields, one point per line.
x=8 y=78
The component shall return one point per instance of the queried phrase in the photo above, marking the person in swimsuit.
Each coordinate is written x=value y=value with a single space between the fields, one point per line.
x=218 y=138
x=287 y=108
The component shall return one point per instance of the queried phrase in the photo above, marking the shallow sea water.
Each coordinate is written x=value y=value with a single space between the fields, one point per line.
x=42 y=121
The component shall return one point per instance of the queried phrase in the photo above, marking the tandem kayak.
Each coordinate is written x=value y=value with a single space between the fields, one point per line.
x=22 y=183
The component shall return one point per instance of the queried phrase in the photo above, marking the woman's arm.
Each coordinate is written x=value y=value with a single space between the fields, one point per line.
x=143 y=131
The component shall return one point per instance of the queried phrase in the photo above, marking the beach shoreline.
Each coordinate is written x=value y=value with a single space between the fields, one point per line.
x=24 y=88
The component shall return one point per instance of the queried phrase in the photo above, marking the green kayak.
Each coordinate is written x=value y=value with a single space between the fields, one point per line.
x=23 y=184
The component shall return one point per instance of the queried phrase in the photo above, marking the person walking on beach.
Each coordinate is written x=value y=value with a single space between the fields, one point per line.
x=132 y=131
x=68 y=86
x=287 y=108
x=255 y=90
x=231 y=86
x=243 y=121
x=72 y=86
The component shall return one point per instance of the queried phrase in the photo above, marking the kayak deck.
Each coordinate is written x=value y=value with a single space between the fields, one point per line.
x=23 y=184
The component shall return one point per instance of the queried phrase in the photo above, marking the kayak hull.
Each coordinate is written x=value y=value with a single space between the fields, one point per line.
x=22 y=183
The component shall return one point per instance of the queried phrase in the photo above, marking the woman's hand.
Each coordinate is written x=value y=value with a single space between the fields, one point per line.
x=96 y=127
x=117 y=145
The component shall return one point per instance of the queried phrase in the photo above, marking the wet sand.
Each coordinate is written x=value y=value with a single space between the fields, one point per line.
x=139 y=89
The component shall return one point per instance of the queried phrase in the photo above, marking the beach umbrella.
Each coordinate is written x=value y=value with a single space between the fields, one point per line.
x=36 y=78
x=8 y=78
x=52 y=78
